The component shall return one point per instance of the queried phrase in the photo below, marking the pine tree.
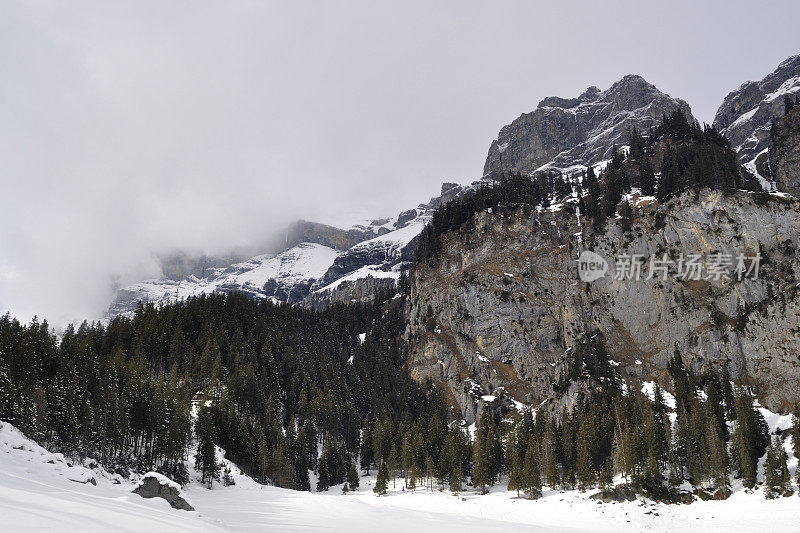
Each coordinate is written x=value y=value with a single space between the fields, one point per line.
x=455 y=478
x=480 y=463
x=515 y=473
x=795 y=432
x=626 y=216
x=352 y=476
x=719 y=462
x=606 y=478
x=206 y=458
x=636 y=144
x=412 y=478
x=394 y=464
x=382 y=482
x=367 y=455
x=549 y=457
x=585 y=447
x=648 y=179
x=776 y=473
x=531 y=477
x=751 y=437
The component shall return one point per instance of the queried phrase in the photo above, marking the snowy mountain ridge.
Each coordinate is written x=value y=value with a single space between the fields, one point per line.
x=286 y=277
x=746 y=113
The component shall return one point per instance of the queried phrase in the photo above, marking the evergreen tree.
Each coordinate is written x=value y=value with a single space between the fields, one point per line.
x=206 y=458
x=751 y=437
x=776 y=473
x=367 y=450
x=352 y=476
x=394 y=464
x=455 y=478
x=626 y=216
x=382 y=482
x=480 y=463
x=795 y=431
x=636 y=144
x=648 y=179
x=323 y=479
x=719 y=462
x=531 y=477
x=515 y=473
x=606 y=478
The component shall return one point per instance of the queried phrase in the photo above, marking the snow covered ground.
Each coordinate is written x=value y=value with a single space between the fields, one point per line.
x=37 y=493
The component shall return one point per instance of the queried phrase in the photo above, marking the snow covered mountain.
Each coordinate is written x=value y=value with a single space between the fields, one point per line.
x=328 y=269
x=286 y=277
x=747 y=112
x=564 y=132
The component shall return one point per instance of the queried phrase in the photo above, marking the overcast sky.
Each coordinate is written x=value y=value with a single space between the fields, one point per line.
x=129 y=130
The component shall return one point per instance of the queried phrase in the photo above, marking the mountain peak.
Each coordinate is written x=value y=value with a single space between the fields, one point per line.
x=563 y=132
x=747 y=112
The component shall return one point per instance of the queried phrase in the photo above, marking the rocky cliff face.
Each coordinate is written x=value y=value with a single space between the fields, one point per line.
x=784 y=154
x=385 y=252
x=502 y=313
x=746 y=113
x=564 y=132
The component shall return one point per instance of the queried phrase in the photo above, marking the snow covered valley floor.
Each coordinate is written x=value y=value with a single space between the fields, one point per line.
x=40 y=491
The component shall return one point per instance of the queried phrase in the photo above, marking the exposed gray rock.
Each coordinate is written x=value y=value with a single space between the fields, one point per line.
x=157 y=486
x=784 y=155
x=384 y=253
x=360 y=290
x=746 y=113
x=619 y=493
x=564 y=132
x=502 y=305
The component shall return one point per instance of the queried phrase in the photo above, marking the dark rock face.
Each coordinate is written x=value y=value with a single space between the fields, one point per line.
x=746 y=113
x=159 y=487
x=385 y=252
x=784 y=154
x=336 y=238
x=563 y=132
x=179 y=265
x=361 y=290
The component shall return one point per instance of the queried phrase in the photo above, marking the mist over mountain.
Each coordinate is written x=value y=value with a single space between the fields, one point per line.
x=131 y=134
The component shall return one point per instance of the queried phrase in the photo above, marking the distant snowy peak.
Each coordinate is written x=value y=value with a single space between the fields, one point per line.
x=563 y=132
x=746 y=113
x=286 y=277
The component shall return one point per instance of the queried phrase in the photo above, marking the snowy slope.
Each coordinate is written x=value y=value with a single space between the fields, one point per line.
x=285 y=277
x=378 y=257
x=36 y=494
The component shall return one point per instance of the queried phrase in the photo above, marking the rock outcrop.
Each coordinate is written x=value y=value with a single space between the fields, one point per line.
x=746 y=113
x=502 y=308
x=564 y=132
x=155 y=485
x=784 y=154
x=385 y=252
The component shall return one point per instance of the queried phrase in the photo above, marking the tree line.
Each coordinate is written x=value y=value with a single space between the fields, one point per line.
x=278 y=382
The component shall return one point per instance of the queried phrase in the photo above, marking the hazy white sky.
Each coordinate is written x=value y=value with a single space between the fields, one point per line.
x=138 y=127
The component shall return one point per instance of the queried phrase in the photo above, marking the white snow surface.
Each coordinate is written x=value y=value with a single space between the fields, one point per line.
x=36 y=494
x=395 y=240
x=369 y=271
x=304 y=262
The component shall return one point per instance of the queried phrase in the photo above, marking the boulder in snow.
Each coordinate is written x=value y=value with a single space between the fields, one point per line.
x=155 y=485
